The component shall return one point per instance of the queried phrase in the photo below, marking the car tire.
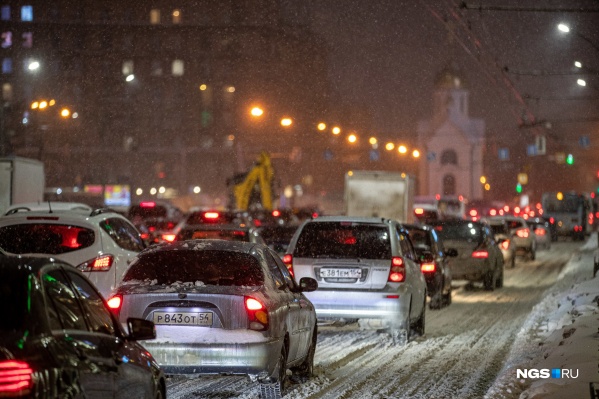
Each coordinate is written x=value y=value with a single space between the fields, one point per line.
x=513 y=261
x=437 y=300
x=276 y=389
x=418 y=327
x=499 y=280
x=490 y=280
x=447 y=297
x=533 y=254
x=304 y=371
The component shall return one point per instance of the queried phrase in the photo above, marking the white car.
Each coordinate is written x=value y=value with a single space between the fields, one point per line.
x=366 y=269
x=101 y=243
x=523 y=236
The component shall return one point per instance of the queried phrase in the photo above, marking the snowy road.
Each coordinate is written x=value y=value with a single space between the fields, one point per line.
x=462 y=352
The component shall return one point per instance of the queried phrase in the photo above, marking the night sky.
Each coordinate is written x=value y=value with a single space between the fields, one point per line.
x=385 y=55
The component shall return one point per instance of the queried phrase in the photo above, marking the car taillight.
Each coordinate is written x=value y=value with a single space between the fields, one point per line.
x=540 y=232
x=211 y=215
x=288 y=261
x=428 y=267
x=144 y=236
x=523 y=233
x=147 y=204
x=397 y=274
x=276 y=213
x=257 y=314
x=16 y=378
x=505 y=245
x=419 y=211
x=480 y=254
x=169 y=237
x=115 y=303
x=100 y=264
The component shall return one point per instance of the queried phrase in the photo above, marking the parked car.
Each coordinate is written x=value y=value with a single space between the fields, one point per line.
x=366 y=268
x=100 y=244
x=523 y=237
x=478 y=256
x=542 y=232
x=434 y=263
x=222 y=307
x=503 y=237
x=59 y=340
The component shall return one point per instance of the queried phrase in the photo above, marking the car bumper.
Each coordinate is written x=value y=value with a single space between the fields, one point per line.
x=472 y=270
x=256 y=359
x=389 y=305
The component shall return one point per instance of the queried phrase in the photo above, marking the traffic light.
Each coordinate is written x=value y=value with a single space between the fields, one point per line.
x=570 y=159
x=519 y=188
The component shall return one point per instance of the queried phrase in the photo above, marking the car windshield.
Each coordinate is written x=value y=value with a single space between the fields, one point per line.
x=343 y=240
x=43 y=238
x=209 y=267
x=459 y=231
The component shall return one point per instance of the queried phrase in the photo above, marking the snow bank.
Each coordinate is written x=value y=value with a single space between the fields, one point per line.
x=562 y=332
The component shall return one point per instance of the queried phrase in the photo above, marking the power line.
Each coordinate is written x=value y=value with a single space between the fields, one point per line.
x=480 y=7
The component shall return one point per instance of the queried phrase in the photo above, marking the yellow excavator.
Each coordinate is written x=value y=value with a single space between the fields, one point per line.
x=254 y=188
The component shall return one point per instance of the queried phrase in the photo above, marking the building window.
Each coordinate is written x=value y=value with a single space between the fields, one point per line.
x=177 y=68
x=27 y=39
x=448 y=185
x=27 y=13
x=6 y=39
x=449 y=157
x=5 y=13
x=127 y=67
x=176 y=16
x=154 y=16
x=7 y=65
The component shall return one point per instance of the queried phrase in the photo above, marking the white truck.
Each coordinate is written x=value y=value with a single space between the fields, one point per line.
x=22 y=180
x=379 y=194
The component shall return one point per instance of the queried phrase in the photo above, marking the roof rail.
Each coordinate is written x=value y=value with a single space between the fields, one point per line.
x=100 y=211
x=15 y=210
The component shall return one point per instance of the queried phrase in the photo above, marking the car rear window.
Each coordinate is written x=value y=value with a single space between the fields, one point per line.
x=209 y=267
x=499 y=229
x=421 y=239
x=224 y=234
x=211 y=217
x=44 y=238
x=13 y=297
x=148 y=211
x=459 y=231
x=342 y=240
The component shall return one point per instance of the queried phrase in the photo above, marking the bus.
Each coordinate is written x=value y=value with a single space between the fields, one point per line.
x=570 y=213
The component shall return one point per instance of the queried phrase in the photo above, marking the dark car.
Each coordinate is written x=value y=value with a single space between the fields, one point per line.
x=222 y=307
x=59 y=340
x=154 y=220
x=479 y=258
x=277 y=237
x=434 y=263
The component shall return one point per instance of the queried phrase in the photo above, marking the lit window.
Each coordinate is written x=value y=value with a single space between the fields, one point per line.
x=5 y=13
x=155 y=16
x=177 y=68
x=27 y=39
x=7 y=91
x=7 y=65
x=127 y=67
x=6 y=39
x=176 y=16
x=27 y=13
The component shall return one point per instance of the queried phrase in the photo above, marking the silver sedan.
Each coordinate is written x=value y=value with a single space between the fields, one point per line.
x=222 y=307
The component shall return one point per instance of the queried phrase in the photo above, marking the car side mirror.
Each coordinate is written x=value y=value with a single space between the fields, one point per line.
x=140 y=329
x=452 y=252
x=308 y=284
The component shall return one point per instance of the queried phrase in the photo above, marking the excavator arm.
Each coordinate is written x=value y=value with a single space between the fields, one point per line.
x=261 y=175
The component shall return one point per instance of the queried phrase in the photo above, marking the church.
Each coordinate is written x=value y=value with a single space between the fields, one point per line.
x=452 y=141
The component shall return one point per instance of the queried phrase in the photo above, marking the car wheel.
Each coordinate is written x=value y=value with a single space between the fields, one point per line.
x=437 y=300
x=447 y=298
x=305 y=370
x=417 y=329
x=513 y=261
x=490 y=281
x=499 y=280
x=533 y=254
x=276 y=389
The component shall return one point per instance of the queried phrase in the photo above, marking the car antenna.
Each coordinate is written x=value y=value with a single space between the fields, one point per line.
x=49 y=206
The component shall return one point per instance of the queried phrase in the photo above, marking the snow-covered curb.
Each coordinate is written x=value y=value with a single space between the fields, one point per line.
x=562 y=332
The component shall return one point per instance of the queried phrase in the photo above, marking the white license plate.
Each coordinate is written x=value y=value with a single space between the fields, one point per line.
x=183 y=318
x=340 y=273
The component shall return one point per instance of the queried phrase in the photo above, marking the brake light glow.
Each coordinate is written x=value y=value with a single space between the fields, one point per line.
x=493 y=212
x=257 y=314
x=397 y=274
x=428 y=267
x=169 y=237
x=473 y=212
x=115 y=302
x=16 y=378
x=523 y=233
x=505 y=245
x=540 y=232
x=288 y=261
x=211 y=215
x=100 y=264
x=480 y=254
x=276 y=213
x=147 y=204
x=419 y=211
